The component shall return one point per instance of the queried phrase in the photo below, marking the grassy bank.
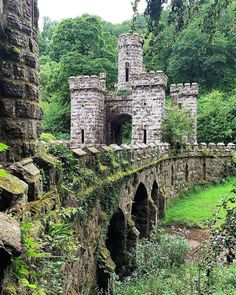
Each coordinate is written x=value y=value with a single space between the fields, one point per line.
x=196 y=207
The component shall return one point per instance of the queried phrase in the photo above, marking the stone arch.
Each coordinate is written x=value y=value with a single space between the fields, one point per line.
x=116 y=124
x=140 y=210
x=116 y=241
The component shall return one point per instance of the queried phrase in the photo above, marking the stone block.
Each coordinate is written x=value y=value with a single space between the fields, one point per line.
x=10 y=235
x=30 y=174
x=13 y=192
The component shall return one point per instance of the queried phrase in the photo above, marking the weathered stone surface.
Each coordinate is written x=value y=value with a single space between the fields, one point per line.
x=47 y=164
x=29 y=173
x=13 y=192
x=19 y=109
x=10 y=235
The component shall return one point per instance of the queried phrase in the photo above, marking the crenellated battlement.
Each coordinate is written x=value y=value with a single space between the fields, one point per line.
x=147 y=153
x=88 y=82
x=186 y=89
x=130 y=40
x=149 y=79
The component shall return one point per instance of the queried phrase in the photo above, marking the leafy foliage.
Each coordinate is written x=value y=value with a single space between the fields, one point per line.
x=3 y=148
x=177 y=127
x=217 y=117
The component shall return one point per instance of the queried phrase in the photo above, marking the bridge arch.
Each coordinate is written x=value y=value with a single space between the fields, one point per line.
x=119 y=128
x=140 y=210
x=116 y=241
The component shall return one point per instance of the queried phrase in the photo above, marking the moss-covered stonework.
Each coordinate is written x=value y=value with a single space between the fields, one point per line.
x=19 y=109
x=84 y=208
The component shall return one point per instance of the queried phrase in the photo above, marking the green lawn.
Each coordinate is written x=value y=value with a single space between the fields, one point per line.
x=195 y=208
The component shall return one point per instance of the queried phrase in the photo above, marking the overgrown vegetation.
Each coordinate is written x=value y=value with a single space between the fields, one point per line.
x=3 y=148
x=177 y=128
x=162 y=267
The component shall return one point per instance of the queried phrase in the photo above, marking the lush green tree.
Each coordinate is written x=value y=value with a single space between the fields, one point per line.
x=217 y=117
x=78 y=46
x=177 y=126
x=153 y=13
x=46 y=35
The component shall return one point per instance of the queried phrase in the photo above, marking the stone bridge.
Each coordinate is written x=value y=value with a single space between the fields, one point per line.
x=146 y=178
x=149 y=178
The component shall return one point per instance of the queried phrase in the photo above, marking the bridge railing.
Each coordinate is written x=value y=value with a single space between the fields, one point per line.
x=142 y=154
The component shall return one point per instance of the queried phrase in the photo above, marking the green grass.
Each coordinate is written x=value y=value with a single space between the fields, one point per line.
x=196 y=207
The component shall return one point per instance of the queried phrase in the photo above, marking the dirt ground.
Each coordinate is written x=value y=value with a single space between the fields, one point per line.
x=196 y=238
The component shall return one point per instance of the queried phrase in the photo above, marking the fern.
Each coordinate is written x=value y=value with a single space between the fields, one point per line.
x=3 y=148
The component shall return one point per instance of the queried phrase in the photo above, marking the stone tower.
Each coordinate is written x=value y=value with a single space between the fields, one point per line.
x=130 y=59
x=19 y=109
x=185 y=96
x=148 y=105
x=87 y=110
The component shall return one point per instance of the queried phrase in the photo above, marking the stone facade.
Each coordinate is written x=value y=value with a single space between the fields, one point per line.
x=19 y=109
x=97 y=115
x=88 y=109
x=130 y=59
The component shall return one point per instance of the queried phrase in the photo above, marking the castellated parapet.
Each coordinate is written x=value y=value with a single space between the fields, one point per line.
x=19 y=109
x=97 y=115
x=185 y=96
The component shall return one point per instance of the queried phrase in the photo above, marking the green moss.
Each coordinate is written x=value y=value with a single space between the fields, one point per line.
x=105 y=258
x=10 y=290
x=12 y=185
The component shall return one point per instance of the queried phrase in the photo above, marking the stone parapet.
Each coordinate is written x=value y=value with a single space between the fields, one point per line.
x=88 y=82
x=149 y=79
x=142 y=154
x=184 y=89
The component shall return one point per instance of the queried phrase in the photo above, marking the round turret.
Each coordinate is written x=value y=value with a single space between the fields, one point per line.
x=130 y=60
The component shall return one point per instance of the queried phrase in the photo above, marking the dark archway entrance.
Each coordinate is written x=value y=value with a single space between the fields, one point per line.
x=140 y=211
x=116 y=241
x=120 y=129
x=116 y=245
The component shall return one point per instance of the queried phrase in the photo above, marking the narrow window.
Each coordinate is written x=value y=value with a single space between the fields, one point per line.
x=145 y=136
x=204 y=171
x=127 y=72
x=172 y=175
x=82 y=135
x=186 y=173
x=31 y=45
